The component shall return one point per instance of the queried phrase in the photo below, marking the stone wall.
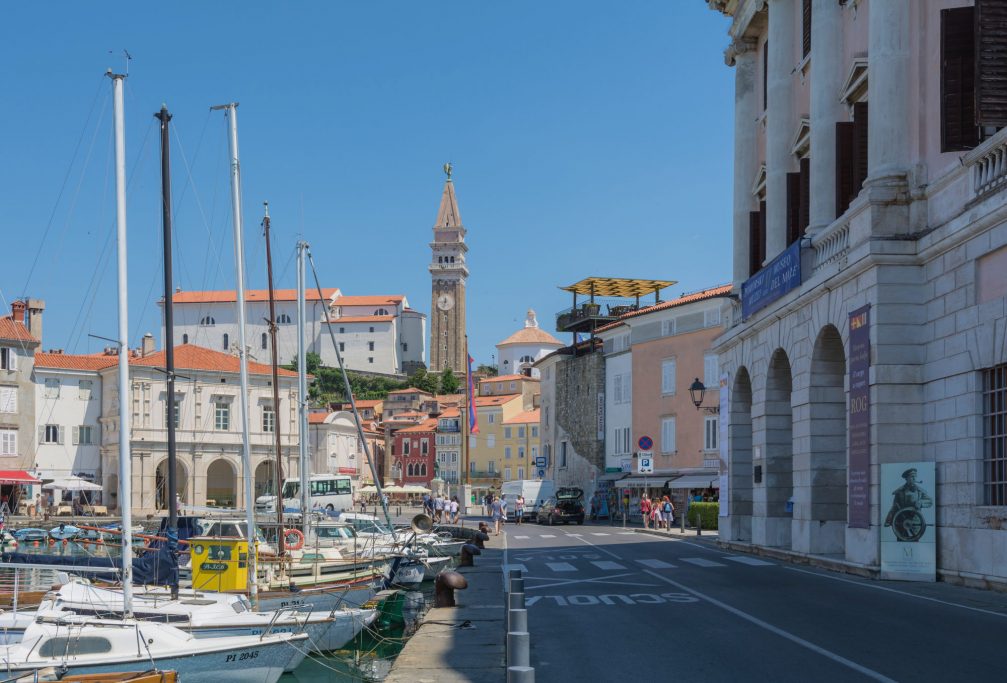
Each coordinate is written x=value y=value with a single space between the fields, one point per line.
x=579 y=381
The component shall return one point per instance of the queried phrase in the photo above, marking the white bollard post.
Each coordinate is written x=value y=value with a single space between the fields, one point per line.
x=518 y=648
x=517 y=585
x=520 y=674
x=515 y=601
x=517 y=620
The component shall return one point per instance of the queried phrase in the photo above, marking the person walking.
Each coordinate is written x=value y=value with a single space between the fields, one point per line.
x=519 y=508
x=645 y=510
x=497 y=515
x=453 y=510
x=668 y=512
x=438 y=509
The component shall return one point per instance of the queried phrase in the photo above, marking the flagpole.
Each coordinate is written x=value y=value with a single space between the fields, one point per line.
x=465 y=418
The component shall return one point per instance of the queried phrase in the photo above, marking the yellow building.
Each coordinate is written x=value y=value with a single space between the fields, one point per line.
x=486 y=447
x=520 y=446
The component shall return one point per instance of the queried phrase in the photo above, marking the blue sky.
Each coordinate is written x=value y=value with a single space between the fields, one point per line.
x=588 y=138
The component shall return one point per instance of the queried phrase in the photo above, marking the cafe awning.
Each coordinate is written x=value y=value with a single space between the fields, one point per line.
x=695 y=481
x=640 y=482
x=18 y=477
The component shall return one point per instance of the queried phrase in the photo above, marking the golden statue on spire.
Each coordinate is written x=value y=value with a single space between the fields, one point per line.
x=447 y=170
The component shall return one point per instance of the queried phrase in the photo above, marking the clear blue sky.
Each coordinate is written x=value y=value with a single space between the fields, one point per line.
x=588 y=138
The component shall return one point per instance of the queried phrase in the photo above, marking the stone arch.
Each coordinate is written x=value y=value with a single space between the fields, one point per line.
x=222 y=482
x=740 y=458
x=265 y=478
x=828 y=444
x=161 y=483
x=778 y=480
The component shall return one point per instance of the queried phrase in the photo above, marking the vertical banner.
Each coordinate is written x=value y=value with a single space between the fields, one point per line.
x=725 y=402
x=859 y=420
x=601 y=416
x=908 y=536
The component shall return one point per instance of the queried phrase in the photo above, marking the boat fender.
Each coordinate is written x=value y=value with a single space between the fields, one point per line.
x=298 y=537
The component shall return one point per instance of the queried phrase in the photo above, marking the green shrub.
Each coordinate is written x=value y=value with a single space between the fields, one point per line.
x=707 y=512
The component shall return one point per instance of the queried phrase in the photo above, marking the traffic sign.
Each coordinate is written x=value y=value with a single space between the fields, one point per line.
x=645 y=462
x=541 y=473
x=540 y=461
x=645 y=443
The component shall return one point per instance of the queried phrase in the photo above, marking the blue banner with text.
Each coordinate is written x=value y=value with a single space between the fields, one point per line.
x=779 y=276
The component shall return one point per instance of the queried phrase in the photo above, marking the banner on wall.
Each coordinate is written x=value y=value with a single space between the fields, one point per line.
x=724 y=468
x=859 y=420
x=908 y=534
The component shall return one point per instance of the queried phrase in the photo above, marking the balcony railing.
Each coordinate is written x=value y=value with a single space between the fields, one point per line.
x=833 y=244
x=988 y=162
x=587 y=316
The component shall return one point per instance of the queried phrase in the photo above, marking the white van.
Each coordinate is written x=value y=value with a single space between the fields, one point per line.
x=535 y=491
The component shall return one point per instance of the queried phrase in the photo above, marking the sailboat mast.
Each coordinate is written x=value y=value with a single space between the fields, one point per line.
x=302 y=394
x=231 y=112
x=276 y=384
x=169 y=339
x=125 y=469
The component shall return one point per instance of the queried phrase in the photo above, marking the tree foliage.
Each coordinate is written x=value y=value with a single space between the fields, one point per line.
x=424 y=381
x=449 y=383
x=328 y=387
x=488 y=370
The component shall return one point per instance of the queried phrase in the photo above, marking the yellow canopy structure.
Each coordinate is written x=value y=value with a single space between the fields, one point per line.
x=626 y=288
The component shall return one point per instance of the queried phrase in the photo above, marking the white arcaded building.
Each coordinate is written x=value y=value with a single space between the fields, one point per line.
x=901 y=214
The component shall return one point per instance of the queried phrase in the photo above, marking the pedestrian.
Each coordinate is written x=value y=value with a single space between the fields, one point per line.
x=668 y=512
x=655 y=515
x=438 y=509
x=519 y=508
x=38 y=504
x=645 y=509
x=453 y=509
x=503 y=506
x=497 y=515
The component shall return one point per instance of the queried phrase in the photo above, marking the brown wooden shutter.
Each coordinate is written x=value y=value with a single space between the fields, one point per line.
x=762 y=232
x=958 y=128
x=754 y=262
x=793 y=207
x=804 y=215
x=991 y=63
x=765 y=75
x=844 y=166
x=859 y=147
x=806 y=24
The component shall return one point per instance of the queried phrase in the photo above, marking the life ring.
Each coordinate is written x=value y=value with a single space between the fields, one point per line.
x=298 y=536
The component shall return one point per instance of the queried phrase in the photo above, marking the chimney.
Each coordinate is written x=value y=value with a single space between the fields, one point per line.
x=17 y=311
x=147 y=346
x=35 y=308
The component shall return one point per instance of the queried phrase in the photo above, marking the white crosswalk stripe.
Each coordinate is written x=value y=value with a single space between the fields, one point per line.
x=575 y=535
x=599 y=533
x=607 y=565
x=561 y=566
x=548 y=536
x=656 y=564
x=751 y=561
x=522 y=537
x=508 y=567
x=702 y=562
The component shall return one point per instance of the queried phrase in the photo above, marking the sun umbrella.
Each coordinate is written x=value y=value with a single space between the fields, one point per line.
x=73 y=483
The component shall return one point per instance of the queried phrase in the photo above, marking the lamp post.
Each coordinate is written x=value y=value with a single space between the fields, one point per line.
x=697 y=391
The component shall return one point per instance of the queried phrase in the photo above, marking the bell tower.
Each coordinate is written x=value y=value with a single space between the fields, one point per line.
x=448 y=273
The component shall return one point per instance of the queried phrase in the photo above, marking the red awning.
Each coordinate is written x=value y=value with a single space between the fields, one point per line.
x=17 y=477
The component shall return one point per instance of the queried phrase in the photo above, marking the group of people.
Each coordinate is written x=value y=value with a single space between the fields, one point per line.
x=658 y=513
x=498 y=510
x=441 y=509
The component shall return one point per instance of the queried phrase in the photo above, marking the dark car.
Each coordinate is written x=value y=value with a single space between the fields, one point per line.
x=566 y=506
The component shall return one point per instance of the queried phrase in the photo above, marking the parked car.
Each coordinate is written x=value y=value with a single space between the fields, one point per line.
x=566 y=506
x=533 y=490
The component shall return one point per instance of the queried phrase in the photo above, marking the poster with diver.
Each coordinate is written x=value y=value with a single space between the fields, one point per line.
x=908 y=533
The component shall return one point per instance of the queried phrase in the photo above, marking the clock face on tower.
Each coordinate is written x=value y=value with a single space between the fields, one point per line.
x=445 y=302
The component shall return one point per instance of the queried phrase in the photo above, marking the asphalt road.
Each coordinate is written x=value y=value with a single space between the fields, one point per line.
x=608 y=604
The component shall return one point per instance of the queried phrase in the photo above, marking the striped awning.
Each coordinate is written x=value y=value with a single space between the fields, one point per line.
x=18 y=477
x=626 y=288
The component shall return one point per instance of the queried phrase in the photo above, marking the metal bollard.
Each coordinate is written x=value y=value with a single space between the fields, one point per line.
x=514 y=573
x=515 y=601
x=518 y=648
x=699 y=525
x=517 y=620
x=480 y=539
x=520 y=674
x=468 y=552
x=681 y=522
x=445 y=586
x=517 y=585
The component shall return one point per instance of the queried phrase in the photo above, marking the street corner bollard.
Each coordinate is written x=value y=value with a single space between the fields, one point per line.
x=485 y=528
x=518 y=648
x=513 y=573
x=520 y=674
x=469 y=550
x=517 y=620
x=480 y=539
x=445 y=586
x=516 y=585
x=515 y=601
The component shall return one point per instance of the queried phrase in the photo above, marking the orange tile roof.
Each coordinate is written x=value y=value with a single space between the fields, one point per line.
x=363 y=319
x=192 y=357
x=712 y=293
x=65 y=361
x=230 y=296
x=425 y=426
x=317 y=418
x=531 y=335
x=409 y=391
x=451 y=412
x=377 y=300
x=14 y=331
x=484 y=401
x=526 y=417
x=408 y=413
x=450 y=398
x=508 y=378
x=366 y=403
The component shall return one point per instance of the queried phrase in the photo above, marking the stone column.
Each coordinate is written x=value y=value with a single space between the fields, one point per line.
x=888 y=88
x=826 y=109
x=781 y=120
x=741 y=55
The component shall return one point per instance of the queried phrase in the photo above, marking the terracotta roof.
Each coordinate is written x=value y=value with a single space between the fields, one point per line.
x=192 y=357
x=526 y=417
x=65 y=361
x=408 y=413
x=508 y=378
x=483 y=401
x=451 y=412
x=425 y=426
x=363 y=319
x=531 y=335
x=366 y=403
x=409 y=391
x=712 y=293
x=317 y=418
x=377 y=300
x=230 y=295
x=15 y=331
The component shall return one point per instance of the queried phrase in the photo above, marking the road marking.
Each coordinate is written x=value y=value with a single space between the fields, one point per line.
x=553 y=582
x=599 y=533
x=575 y=535
x=516 y=537
x=751 y=561
x=508 y=567
x=701 y=562
x=548 y=536
x=892 y=590
x=870 y=673
x=627 y=533
x=561 y=566
x=607 y=565
x=611 y=599
x=656 y=564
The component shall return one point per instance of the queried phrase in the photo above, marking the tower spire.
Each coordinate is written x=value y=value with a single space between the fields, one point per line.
x=448 y=273
x=448 y=215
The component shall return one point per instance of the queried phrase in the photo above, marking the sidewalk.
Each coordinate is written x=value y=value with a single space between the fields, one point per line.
x=462 y=644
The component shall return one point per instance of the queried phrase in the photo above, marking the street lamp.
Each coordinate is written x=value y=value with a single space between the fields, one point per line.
x=697 y=391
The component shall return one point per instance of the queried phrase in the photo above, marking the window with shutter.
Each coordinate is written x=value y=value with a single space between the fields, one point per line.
x=804 y=213
x=859 y=147
x=806 y=27
x=793 y=207
x=762 y=233
x=958 y=61
x=8 y=442
x=75 y=436
x=8 y=399
x=668 y=435
x=753 y=243
x=991 y=63
x=844 y=167
x=668 y=376
x=765 y=75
